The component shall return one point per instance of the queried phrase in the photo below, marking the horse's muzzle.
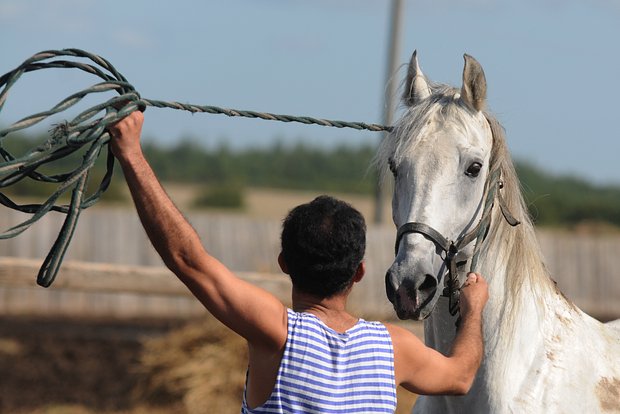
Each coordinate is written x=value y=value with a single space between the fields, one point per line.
x=412 y=297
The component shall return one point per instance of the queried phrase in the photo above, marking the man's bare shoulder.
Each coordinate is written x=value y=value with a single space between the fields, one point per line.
x=405 y=330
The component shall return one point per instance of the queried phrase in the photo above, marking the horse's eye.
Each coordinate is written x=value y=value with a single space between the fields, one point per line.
x=474 y=169
x=392 y=165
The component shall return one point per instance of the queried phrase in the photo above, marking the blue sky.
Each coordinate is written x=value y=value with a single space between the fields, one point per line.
x=552 y=66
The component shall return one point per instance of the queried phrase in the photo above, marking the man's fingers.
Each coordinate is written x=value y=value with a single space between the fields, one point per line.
x=472 y=278
x=120 y=104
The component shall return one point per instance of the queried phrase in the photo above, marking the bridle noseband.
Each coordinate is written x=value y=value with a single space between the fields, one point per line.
x=452 y=248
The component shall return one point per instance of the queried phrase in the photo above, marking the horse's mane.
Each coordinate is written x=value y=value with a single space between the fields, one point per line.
x=517 y=246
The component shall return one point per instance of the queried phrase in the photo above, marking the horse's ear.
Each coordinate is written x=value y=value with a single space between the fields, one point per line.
x=474 y=89
x=416 y=87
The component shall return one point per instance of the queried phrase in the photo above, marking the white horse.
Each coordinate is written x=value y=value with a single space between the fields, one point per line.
x=455 y=194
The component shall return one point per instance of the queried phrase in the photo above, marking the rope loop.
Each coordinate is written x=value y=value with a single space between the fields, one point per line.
x=88 y=132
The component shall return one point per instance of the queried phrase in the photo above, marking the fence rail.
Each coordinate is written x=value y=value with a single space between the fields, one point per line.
x=96 y=289
x=123 y=275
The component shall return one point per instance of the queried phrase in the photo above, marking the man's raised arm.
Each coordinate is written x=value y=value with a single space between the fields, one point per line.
x=250 y=311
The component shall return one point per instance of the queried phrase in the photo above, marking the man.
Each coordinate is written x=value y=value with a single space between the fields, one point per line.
x=315 y=357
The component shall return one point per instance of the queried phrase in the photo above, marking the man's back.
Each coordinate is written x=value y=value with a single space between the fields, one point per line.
x=323 y=370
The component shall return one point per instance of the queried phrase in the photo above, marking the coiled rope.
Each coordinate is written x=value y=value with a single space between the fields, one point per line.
x=88 y=131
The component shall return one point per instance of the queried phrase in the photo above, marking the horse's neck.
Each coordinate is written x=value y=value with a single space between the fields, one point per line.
x=514 y=341
x=440 y=328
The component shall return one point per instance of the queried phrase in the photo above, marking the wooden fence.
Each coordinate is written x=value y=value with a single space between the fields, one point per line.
x=104 y=290
x=111 y=269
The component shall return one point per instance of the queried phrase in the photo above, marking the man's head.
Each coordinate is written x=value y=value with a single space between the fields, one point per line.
x=323 y=244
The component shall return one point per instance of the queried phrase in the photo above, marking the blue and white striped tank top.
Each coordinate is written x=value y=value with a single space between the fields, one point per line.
x=324 y=371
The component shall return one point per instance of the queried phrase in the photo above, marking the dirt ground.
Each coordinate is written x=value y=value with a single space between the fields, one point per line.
x=77 y=366
x=73 y=366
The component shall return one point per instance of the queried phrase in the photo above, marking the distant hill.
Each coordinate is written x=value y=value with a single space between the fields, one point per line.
x=555 y=200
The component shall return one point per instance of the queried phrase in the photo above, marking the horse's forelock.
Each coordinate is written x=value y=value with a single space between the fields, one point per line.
x=407 y=132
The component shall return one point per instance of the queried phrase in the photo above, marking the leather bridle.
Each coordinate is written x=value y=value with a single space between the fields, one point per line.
x=452 y=248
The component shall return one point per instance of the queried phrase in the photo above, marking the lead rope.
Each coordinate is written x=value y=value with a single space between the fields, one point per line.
x=88 y=130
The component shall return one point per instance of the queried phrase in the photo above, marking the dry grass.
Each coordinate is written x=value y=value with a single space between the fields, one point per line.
x=9 y=347
x=81 y=409
x=202 y=364
x=276 y=203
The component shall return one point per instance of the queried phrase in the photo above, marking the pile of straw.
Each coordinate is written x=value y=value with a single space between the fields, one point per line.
x=202 y=364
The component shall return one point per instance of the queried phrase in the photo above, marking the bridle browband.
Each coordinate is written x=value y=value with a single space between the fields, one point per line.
x=451 y=248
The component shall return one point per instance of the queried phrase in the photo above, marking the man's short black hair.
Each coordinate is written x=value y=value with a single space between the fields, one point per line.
x=323 y=244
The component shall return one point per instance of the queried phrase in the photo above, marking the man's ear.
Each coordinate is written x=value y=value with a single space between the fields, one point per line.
x=282 y=263
x=360 y=272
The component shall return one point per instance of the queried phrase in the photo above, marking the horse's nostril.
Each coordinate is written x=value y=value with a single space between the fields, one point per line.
x=429 y=284
x=390 y=290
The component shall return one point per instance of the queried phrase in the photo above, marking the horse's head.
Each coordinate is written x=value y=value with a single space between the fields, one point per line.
x=439 y=153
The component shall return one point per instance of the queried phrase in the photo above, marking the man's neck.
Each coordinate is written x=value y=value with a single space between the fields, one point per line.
x=331 y=311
